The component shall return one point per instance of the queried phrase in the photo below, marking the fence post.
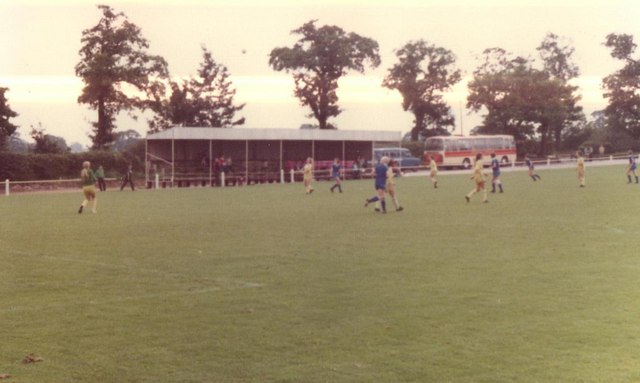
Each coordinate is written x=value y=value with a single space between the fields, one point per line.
x=281 y=176
x=548 y=161
x=6 y=186
x=222 y=182
x=610 y=157
x=157 y=181
x=293 y=177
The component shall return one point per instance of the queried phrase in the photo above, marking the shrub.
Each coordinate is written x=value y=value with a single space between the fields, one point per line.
x=31 y=166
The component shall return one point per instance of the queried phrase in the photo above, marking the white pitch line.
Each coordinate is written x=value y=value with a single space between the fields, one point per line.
x=223 y=285
x=120 y=299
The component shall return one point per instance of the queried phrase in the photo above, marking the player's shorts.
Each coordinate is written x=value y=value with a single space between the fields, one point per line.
x=89 y=192
x=479 y=185
x=380 y=186
x=433 y=173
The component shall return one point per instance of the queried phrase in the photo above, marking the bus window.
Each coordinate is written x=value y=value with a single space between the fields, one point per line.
x=464 y=144
x=480 y=144
x=433 y=144
x=496 y=143
x=451 y=146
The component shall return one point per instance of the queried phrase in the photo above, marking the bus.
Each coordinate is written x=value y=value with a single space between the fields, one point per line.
x=454 y=151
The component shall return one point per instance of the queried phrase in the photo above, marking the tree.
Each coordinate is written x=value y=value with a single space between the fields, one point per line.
x=205 y=101
x=6 y=113
x=422 y=74
x=526 y=102
x=319 y=58
x=117 y=72
x=124 y=140
x=46 y=143
x=556 y=54
x=16 y=144
x=500 y=86
x=622 y=88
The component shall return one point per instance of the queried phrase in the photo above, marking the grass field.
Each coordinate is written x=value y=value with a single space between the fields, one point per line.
x=267 y=284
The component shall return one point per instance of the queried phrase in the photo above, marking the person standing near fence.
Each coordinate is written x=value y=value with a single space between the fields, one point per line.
x=433 y=170
x=495 y=170
x=88 y=179
x=128 y=179
x=307 y=171
x=531 y=167
x=100 y=176
x=335 y=175
x=580 y=169
x=631 y=168
x=380 y=173
x=479 y=178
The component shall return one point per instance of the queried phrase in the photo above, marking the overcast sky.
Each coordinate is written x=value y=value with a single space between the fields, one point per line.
x=40 y=42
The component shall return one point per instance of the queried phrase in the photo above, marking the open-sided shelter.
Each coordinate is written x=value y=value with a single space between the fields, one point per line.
x=189 y=154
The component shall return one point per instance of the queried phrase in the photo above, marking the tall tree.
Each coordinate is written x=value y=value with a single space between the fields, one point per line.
x=6 y=113
x=500 y=87
x=117 y=72
x=557 y=55
x=521 y=100
x=622 y=88
x=205 y=100
x=319 y=58
x=423 y=73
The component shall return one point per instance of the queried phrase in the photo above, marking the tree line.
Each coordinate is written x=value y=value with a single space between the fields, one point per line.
x=533 y=100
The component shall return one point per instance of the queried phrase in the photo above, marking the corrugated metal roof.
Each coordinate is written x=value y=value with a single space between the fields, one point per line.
x=188 y=133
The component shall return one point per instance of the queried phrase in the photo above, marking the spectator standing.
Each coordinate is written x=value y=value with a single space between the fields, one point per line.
x=128 y=179
x=100 y=176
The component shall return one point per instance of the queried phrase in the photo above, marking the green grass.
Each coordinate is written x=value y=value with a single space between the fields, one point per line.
x=267 y=284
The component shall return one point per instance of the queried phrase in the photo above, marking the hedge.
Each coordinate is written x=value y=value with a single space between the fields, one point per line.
x=33 y=167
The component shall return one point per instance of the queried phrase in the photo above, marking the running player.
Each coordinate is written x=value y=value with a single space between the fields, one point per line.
x=580 y=168
x=308 y=175
x=88 y=179
x=531 y=167
x=631 y=168
x=495 y=172
x=478 y=176
x=380 y=173
x=335 y=174
x=391 y=185
x=433 y=170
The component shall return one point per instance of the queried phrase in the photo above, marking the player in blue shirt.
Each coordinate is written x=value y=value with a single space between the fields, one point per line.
x=335 y=174
x=631 y=168
x=380 y=183
x=495 y=170
x=530 y=165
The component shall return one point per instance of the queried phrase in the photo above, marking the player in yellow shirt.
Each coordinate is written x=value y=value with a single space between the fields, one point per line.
x=308 y=175
x=580 y=168
x=433 y=171
x=479 y=178
x=88 y=179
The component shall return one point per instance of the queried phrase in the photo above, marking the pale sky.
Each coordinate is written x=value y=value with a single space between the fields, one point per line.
x=40 y=41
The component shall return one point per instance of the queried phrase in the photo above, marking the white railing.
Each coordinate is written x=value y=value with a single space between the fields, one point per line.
x=324 y=173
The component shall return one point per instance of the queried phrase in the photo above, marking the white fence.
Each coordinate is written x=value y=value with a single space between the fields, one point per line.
x=49 y=185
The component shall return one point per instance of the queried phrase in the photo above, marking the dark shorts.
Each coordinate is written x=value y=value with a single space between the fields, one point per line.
x=382 y=186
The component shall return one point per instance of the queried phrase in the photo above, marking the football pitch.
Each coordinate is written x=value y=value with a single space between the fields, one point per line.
x=266 y=284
